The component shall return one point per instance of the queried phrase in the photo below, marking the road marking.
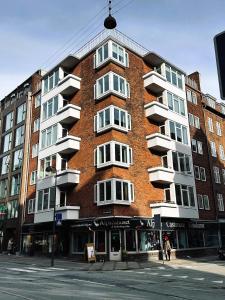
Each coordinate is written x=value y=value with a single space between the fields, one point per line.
x=180 y=276
x=217 y=281
x=161 y=268
x=154 y=273
x=174 y=267
x=59 y=269
x=167 y=275
x=93 y=282
x=21 y=270
x=39 y=269
x=199 y=278
x=140 y=272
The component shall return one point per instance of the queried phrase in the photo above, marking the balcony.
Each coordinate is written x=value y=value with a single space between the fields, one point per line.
x=155 y=82
x=68 y=114
x=172 y=210
x=156 y=111
x=68 y=213
x=68 y=178
x=68 y=144
x=69 y=85
x=159 y=142
x=161 y=175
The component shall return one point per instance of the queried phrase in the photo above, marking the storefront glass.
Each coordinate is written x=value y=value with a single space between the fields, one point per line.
x=148 y=240
x=100 y=241
x=182 y=239
x=211 y=235
x=195 y=238
x=80 y=239
x=172 y=238
x=130 y=240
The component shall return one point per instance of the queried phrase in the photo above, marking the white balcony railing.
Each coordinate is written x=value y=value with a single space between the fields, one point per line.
x=159 y=142
x=68 y=114
x=161 y=175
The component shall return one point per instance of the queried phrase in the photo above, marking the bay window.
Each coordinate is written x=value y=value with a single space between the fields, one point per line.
x=115 y=191
x=46 y=199
x=113 y=153
x=49 y=136
x=176 y=104
x=184 y=195
x=181 y=162
x=174 y=77
x=50 y=108
x=111 y=83
x=51 y=81
x=178 y=132
x=47 y=162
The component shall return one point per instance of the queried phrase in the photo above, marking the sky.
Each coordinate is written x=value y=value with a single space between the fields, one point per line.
x=38 y=34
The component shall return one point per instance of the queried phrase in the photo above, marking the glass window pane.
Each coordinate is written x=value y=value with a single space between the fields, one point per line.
x=116 y=83
x=130 y=240
x=125 y=191
x=172 y=131
x=107 y=152
x=123 y=118
x=107 y=116
x=101 y=191
x=178 y=194
x=106 y=83
x=118 y=191
x=117 y=152
x=170 y=100
x=108 y=190
x=116 y=116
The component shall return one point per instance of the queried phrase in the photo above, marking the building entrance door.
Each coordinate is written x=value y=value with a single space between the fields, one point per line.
x=115 y=245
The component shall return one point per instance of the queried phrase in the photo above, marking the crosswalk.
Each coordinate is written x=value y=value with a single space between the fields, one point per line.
x=35 y=269
x=175 y=272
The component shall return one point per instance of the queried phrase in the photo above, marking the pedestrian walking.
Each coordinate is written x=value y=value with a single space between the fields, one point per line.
x=167 y=247
x=10 y=246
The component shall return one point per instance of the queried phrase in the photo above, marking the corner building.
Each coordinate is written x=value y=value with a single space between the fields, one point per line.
x=114 y=125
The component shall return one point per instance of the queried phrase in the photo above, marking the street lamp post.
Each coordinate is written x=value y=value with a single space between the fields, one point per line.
x=53 y=169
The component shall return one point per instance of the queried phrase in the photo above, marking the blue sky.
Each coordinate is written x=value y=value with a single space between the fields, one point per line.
x=33 y=34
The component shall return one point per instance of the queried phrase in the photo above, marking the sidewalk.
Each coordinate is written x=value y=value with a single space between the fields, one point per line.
x=100 y=266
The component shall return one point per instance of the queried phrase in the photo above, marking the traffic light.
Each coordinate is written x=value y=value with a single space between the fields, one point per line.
x=219 y=43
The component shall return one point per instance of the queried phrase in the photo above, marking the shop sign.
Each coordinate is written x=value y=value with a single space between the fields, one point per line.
x=172 y=225
x=117 y=223
x=197 y=226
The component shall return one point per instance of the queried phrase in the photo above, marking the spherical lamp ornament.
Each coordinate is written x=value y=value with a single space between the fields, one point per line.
x=110 y=22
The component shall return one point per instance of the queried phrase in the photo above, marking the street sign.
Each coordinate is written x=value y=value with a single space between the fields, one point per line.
x=219 y=43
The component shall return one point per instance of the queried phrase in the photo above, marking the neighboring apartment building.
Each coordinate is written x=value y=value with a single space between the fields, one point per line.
x=206 y=119
x=15 y=136
x=114 y=127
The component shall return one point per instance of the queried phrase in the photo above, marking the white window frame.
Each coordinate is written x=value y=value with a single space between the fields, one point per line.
x=33 y=177
x=31 y=206
x=220 y=202
x=218 y=129
x=194 y=145
x=111 y=110
x=213 y=149
x=210 y=124
x=202 y=174
x=182 y=132
x=216 y=172
x=223 y=175
x=35 y=150
x=206 y=202
x=37 y=100
x=48 y=135
x=171 y=104
x=36 y=125
x=113 y=192
x=112 y=146
x=200 y=148
x=197 y=173
x=179 y=75
x=111 y=90
x=46 y=112
x=200 y=201
x=46 y=81
x=221 y=151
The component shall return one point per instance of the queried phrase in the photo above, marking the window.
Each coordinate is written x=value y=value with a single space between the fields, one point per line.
x=51 y=81
x=35 y=150
x=202 y=174
x=221 y=151
x=206 y=202
x=112 y=83
x=112 y=117
x=46 y=199
x=21 y=113
x=37 y=100
x=216 y=172
x=12 y=209
x=31 y=206
x=7 y=142
x=200 y=149
x=174 y=77
x=50 y=108
x=213 y=148
x=49 y=136
x=17 y=159
x=222 y=108
x=197 y=172
x=113 y=51
x=220 y=202
x=33 y=177
x=46 y=162
x=184 y=195
x=178 y=132
x=210 y=125
x=3 y=188
x=36 y=125
x=5 y=164
x=211 y=102
x=191 y=96
x=19 y=135
x=181 y=162
x=176 y=104
x=15 y=185
x=196 y=146
x=113 y=153
x=9 y=121
x=218 y=129
x=194 y=121
x=200 y=202
x=114 y=191
x=223 y=174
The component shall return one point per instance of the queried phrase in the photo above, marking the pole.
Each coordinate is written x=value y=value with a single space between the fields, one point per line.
x=53 y=226
x=161 y=240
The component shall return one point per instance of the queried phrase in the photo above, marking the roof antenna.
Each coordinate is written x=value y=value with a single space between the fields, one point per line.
x=110 y=22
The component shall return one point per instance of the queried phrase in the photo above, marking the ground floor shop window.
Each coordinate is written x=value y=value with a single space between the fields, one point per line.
x=130 y=238
x=182 y=239
x=80 y=239
x=148 y=240
x=100 y=241
x=172 y=235
x=211 y=235
x=195 y=238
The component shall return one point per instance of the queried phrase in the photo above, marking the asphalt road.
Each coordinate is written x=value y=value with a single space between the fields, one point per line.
x=32 y=279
